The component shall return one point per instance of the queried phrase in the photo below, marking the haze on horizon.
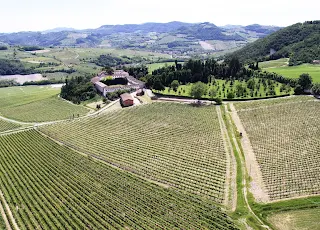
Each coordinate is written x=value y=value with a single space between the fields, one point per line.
x=35 y=15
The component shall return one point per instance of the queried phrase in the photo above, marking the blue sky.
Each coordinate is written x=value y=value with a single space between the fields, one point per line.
x=36 y=15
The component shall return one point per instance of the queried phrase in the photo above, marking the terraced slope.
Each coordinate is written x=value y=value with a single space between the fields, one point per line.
x=36 y=104
x=174 y=144
x=48 y=186
x=285 y=140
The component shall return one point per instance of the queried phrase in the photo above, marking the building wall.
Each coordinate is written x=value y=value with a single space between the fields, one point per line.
x=127 y=102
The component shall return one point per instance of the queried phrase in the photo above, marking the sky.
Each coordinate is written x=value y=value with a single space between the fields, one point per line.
x=39 y=15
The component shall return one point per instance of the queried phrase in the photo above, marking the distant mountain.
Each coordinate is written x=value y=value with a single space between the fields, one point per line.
x=143 y=28
x=262 y=29
x=175 y=37
x=58 y=29
x=207 y=31
x=299 y=42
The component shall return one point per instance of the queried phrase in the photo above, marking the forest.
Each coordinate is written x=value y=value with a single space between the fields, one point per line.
x=78 y=89
x=299 y=42
x=10 y=67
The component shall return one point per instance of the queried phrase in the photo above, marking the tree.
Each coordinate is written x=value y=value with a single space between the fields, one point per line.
x=198 y=89
x=230 y=95
x=298 y=90
x=212 y=93
x=316 y=89
x=157 y=85
x=218 y=101
x=108 y=70
x=234 y=66
x=175 y=85
x=305 y=81
x=251 y=84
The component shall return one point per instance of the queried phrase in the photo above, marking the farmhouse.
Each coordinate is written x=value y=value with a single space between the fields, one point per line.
x=126 y=99
x=133 y=83
x=100 y=87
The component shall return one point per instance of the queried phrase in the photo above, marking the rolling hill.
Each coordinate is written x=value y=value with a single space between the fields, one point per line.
x=299 y=42
x=172 y=37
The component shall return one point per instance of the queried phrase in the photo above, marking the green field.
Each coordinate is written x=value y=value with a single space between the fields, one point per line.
x=280 y=67
x=282 y=62
x=222 y=88
x=154 y=66
x=5 y=125
x=36 y=104
x=177 y=145
x=48 y=186
x=295 y=220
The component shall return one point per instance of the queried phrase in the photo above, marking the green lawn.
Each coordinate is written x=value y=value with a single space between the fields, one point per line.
x=295 y=71
x=184 y=90
x=154 y=66
x=36 y=104
x=274 y=63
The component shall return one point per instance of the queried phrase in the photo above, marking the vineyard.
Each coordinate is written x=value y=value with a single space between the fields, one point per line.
x=271 y=102
x=175 y=144
x=5 y=125
x=48 y=186
x=284 y=134
x=36 y=104
x=2 y=224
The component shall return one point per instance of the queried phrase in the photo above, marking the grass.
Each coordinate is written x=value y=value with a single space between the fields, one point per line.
x=274 y=63
x=280 y=67
x=242 y=213
x=299 y=219
x=49 y=186
x=305 y=207
x=177 y=145
x=154 y=66
x=36 y=104
x=184 y=90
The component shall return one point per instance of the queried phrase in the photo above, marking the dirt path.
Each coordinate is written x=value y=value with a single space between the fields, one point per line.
x=17 y=122
x=230 y=199
x=6 y=206
x=244 y=181
x=257 y=186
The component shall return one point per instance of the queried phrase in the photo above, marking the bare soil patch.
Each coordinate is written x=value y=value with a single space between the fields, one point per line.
x=23 y=78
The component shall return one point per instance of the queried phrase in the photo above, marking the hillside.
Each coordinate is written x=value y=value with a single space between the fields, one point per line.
x=299 y=42
x=174 y=38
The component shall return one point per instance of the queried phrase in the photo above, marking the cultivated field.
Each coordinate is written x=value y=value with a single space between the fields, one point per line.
x=298 y=219
x=5 y=125
x=284 y=134
x=177 y=145
x=48 y=186
x=36 y=104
